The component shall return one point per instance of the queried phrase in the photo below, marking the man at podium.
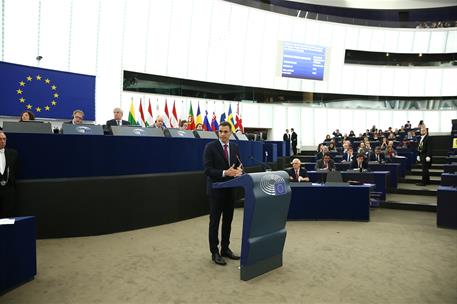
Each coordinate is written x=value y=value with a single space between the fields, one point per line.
x=222 y=163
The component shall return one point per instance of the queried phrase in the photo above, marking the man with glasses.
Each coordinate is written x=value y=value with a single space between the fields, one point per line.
x=222 y=163
x=78 y=117
x=117 y=121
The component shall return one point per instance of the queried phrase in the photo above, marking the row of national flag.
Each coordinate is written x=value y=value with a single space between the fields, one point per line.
x=147 y=118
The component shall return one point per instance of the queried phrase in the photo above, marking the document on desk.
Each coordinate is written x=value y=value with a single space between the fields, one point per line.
x=7 y=221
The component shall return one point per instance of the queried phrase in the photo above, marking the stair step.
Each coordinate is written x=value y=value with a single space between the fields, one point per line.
x=412 y=189
x=433 y=172
x=414 y=179
x=410 y=202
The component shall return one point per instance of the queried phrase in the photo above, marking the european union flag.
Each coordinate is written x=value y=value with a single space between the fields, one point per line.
x=47 y=93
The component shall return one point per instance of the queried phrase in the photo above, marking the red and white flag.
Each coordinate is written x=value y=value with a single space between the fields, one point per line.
x=149 y=121
x=174 y=123
x=141 y=120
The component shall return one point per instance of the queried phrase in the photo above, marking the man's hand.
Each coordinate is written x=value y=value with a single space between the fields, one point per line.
x=427 y=159
x=232 y=171
x=418 y=158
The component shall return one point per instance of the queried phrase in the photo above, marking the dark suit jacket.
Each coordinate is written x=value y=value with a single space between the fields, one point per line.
x=426 y=148
x=345 y=157
x=302 y=173
x=215 y=163
x=320 y=164
x=11 y=164
x=293 y=138
x=286 y=137
x=374 y=157
x=354 y=164
x=113 y=122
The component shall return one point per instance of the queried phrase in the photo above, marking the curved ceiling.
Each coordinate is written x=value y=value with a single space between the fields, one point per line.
x=382 y=4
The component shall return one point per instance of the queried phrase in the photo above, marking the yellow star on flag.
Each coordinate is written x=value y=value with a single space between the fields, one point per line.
x=38 y=77
x=46 y=108
x=29 y=106
x=38 y=109
x=22 y=99
x=22 y=83
x=53 y=102
x=29 y=78
x=53 y=87
x=56 y=95
x=47 y=81
x=19 y=91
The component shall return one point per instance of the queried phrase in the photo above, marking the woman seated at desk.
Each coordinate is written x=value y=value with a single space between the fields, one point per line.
x=27 y=116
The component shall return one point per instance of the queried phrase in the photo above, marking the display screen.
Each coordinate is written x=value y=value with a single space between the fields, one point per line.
x=302 y=61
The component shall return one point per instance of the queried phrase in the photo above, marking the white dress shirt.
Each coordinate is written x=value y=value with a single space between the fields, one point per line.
x=2 y=161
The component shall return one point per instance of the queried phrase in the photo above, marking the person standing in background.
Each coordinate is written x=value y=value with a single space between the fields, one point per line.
x=293 y=139
x=286 y=136
x=425 y=156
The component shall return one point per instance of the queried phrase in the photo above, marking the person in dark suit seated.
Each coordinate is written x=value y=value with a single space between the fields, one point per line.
x=323 y=150
x=27 y=116
x=8 y=170
x=378 y=155
x=117 y=121
x=325 y=163
x=159 y=123
x=222 y=163
x=297 y=173
x=348 y=156
x=78 y=117
x=359 y=163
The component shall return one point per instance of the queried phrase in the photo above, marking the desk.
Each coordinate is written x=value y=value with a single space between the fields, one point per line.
x=17 y=253
x=450 y=168
x=62 y=156
x=329 y=202
x=393 y=168
x=446 y=209
x=378 y=178
x=449 y=179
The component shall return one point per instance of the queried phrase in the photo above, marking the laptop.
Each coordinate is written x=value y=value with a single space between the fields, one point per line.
x=335 y=178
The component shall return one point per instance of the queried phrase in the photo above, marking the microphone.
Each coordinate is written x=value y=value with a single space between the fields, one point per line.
x=265 y=165
x=241 y=163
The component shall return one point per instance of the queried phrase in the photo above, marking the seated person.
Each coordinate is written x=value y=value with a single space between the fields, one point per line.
x=362 y=148
x=159 y=123
x=326 y=163
x=117 y=121
x=337 y=134
x=27 y=116
x=320 y=155
x=348 y=156
x=331 y=147
x=377 y=155
x=327 y=139
x=390 y=153
x=351 y=134
x=359 y=163
x=296 y=173
x=199 y=127
x=78 y=117
x=183 y=125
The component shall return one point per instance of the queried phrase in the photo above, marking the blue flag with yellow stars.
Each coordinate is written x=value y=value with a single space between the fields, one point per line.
x=47 y=93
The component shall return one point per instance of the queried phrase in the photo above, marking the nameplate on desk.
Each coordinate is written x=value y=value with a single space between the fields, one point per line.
x=35 y=127
x=70 y=129
x=136 y=131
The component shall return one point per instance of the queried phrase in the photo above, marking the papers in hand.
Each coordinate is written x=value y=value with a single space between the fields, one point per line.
x=7 y=221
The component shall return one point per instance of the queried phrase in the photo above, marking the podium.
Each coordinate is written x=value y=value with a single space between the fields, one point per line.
x=266 y=205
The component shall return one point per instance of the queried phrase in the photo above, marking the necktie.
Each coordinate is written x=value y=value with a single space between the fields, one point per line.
x=225 y=152
x=296 y=174
x=379 y=157
x=118 y=122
